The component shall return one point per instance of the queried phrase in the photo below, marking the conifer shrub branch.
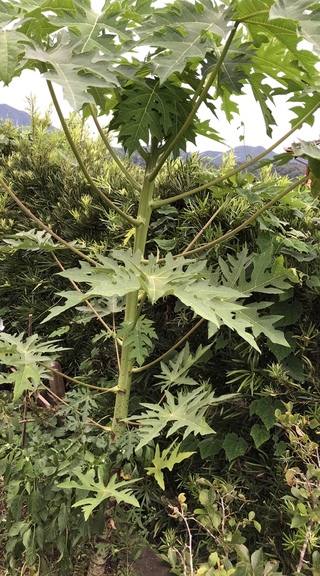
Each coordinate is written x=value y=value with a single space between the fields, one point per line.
x=43 y=226
x=247 y=222
x=204 y=228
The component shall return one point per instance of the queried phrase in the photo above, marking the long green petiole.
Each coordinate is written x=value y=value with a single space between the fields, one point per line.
x=85 y=172
x=159 y=203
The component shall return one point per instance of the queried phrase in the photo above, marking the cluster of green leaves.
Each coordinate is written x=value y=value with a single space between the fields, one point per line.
x=39 y=517
x=216 y=297
x=221 y=532
x=25 y=357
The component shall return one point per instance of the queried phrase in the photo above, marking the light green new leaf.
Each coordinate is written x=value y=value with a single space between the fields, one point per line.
x=114 y=490
x=32 y=240
x=168 y=459
x=186 y=410
x=24 y=355
x=12 y=48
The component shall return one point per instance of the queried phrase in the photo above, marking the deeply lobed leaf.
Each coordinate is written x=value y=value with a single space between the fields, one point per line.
x=23 y=357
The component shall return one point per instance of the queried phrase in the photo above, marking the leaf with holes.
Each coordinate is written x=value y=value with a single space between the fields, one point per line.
x=75 y=73
x=96 y=31
x=183 y=31
x=306 y=15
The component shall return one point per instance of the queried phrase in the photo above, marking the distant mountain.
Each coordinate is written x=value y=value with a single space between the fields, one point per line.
x=18 y=117
x=242 y=154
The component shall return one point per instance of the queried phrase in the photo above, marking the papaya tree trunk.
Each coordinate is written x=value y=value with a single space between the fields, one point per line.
x=101 y=553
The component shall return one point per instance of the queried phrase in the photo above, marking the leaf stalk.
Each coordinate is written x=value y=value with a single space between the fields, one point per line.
x=112 y=153
x=160 y=203
x=94 y=187
x=43 y=226
x=206 y=87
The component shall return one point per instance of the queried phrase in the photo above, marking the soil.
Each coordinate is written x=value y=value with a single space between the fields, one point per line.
x=148 y=564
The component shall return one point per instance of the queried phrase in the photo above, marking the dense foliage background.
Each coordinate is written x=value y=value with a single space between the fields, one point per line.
x=239 y=486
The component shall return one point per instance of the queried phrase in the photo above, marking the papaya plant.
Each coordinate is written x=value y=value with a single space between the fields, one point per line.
x=143 y=72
